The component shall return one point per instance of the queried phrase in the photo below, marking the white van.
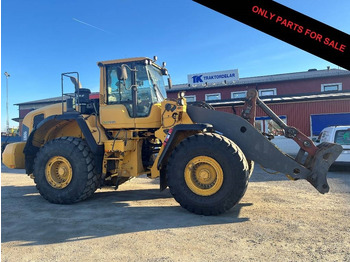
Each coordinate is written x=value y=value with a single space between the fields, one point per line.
x=341 y=136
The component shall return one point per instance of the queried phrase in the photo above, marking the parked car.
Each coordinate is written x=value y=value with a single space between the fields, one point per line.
x=341 y=136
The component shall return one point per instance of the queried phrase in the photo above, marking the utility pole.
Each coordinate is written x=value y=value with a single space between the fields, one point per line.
x=7 y=102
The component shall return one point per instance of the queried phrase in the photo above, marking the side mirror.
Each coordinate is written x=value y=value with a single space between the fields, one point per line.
x=122 y=73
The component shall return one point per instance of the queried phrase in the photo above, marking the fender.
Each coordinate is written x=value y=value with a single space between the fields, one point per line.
x=178 y=133
x=30 y=150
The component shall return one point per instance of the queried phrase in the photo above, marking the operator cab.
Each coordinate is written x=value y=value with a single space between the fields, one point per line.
x=135 y=84
x=133 y=88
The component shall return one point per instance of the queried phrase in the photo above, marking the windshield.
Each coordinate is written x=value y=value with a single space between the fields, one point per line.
x=148 y=80
x=156 y=77
x=342 y=137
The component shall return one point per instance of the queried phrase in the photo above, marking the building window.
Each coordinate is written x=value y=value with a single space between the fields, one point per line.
x=210 y=97
x=267 y=125
x=191 y=98
x=259 y=124
x=239 y=94
x=331 y=87
x=268 y=92
x=271 y=127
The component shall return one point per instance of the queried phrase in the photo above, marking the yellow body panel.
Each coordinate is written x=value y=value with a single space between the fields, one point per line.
x=115 y=117
x=114 y=146
x=96 y=129
x=128 y=157
x=55 y=109
x=54 y=129
x=132 y=162
x=13 y=156
x=58 y=128
x=151 y=121
x=169 y=119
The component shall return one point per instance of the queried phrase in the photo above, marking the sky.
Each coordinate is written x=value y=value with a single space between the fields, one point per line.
x=40 y=39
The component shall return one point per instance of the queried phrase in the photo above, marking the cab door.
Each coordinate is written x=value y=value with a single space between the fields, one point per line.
x=132 y=97
x=116 y=102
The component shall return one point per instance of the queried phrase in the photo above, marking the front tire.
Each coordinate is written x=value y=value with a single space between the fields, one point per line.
x=64 y=171
x=207 y=174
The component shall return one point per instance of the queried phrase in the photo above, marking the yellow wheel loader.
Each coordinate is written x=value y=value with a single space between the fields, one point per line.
x=204 y=156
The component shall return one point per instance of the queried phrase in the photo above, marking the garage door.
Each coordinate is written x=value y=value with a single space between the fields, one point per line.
x=318 y=122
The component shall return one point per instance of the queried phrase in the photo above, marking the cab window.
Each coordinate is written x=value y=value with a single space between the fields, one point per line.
x=146 y=78
x=118 y=91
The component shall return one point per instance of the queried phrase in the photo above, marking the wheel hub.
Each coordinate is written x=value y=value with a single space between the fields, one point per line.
x=58 y=172
x=203 y=175
x=62 y=171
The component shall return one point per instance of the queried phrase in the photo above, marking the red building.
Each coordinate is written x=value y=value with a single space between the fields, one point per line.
x=308 y=100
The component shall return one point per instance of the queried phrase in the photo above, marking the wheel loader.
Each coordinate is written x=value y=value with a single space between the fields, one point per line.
x=204 y=156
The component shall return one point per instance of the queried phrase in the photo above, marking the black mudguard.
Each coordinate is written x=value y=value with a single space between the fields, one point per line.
x=30 y=151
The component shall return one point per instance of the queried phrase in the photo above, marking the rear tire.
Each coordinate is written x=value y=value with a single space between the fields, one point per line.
x=207 y=174
x=64 y=171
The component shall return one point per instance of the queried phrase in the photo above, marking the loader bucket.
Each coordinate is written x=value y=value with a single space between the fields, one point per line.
x=258 y=148
x=319 y=164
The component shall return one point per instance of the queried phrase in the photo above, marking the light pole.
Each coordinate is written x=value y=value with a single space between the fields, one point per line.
x=7 y=102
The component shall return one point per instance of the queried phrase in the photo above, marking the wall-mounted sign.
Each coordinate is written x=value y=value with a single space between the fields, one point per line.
x=213 y=77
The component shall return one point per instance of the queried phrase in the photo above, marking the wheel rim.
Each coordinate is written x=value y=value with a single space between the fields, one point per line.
x=58 y=172
x=204 y=175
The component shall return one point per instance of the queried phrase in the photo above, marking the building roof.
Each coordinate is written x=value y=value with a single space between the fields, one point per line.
x=43 y=101
x=311 y=73
x=57 y=99
x=287 y=98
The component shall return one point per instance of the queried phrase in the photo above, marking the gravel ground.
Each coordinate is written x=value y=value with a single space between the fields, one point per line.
x=277 y=220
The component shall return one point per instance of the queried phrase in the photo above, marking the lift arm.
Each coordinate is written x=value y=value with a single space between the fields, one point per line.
x=318 y=159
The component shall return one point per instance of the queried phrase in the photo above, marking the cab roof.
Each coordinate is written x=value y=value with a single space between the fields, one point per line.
x=124 y=60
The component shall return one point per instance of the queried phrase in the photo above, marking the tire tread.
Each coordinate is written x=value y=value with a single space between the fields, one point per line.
x=231 y=197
